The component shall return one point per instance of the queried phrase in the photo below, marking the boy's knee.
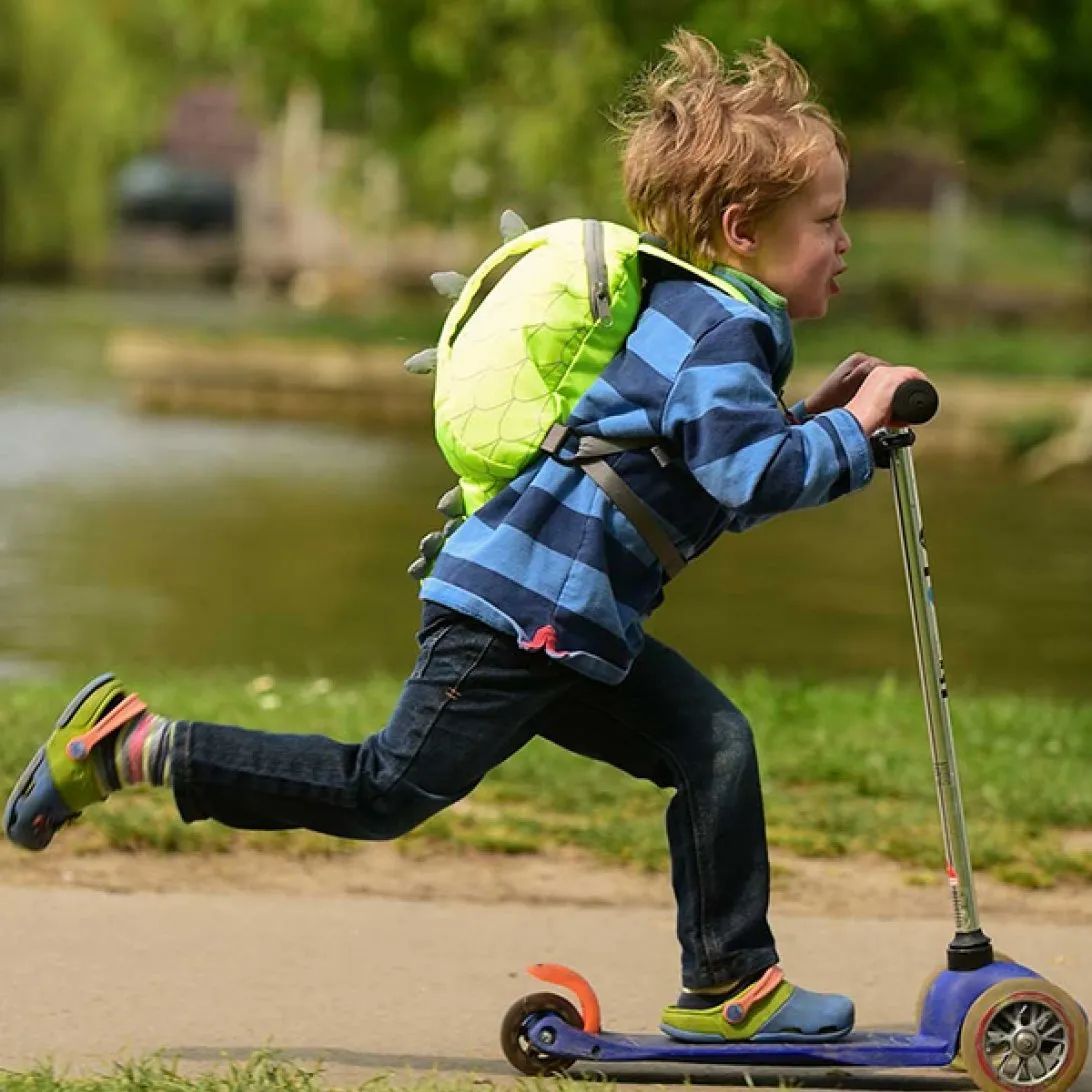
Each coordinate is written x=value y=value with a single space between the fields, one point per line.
x=397 y=812
x=732 y=735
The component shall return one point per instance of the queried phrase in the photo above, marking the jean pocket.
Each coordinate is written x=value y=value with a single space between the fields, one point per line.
x=429 y=640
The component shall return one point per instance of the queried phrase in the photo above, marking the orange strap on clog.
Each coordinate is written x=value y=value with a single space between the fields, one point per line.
x=79 y=747
x=736 y=1010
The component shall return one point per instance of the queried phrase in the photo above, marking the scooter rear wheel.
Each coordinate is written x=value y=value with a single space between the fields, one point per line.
x=518 y=1048
x=1024 y=1035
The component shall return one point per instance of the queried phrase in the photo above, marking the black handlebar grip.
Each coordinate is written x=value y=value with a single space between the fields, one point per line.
x=916 y=401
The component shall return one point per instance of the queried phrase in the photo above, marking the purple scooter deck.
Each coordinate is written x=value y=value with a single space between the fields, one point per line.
x=864 y=1048
x=934 y=1044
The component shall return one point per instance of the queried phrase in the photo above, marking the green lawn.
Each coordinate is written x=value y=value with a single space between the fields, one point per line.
x=980 y=352
x=263 y=1072
x=995 y=251
x=846 y=770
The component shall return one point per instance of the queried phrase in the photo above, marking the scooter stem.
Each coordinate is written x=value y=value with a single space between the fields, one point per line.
x=970 y=948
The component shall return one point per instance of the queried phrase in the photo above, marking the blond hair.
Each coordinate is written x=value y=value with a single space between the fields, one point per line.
x=700 y=136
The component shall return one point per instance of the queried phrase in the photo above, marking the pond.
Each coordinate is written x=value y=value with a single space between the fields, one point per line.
x=137 y=543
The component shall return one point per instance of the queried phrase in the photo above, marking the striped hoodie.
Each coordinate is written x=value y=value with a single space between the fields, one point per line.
x=553 y=562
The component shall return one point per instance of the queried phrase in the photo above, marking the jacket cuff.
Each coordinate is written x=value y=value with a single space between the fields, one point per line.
x=857 y=447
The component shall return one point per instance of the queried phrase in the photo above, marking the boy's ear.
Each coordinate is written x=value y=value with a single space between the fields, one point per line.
x=738 y=232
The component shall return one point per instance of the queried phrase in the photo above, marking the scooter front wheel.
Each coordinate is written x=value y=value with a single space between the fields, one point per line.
x=1024 y=1035
x=518 y=1048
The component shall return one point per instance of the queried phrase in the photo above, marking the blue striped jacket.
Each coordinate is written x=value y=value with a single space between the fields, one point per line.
x=553 y=562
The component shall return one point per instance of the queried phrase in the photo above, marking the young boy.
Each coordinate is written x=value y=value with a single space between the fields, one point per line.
x=532 y=617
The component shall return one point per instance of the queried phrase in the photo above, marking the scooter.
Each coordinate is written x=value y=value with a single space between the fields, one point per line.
x=1010 y=1028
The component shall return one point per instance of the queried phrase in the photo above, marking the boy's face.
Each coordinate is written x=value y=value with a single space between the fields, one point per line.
x=799 y=249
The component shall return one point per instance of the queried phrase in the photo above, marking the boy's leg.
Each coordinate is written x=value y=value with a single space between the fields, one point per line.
x=668 y=723
x=470 y=702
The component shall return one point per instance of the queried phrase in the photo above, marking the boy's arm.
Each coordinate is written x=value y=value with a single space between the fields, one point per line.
x=723 y=415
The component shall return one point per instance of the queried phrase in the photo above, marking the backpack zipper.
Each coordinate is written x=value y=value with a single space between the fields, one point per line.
x=595 y=258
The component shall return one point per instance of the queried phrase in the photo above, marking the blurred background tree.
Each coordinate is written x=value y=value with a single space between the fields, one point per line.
x=72 y=104
x=482 y=102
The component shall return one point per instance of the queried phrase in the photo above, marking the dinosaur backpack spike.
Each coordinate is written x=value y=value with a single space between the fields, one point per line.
x=451 y=504
x=452 y=526
x=512 y=225
x=422 y=363
x=431 y=545
x=418 y=569
x=449 y=284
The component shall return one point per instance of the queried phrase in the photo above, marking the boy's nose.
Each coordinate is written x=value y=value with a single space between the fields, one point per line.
x=844 y=242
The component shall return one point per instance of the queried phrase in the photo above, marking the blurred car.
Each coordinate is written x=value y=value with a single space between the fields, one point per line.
x=154 y=190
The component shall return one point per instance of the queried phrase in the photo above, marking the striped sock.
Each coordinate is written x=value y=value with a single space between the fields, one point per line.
x=137 y=754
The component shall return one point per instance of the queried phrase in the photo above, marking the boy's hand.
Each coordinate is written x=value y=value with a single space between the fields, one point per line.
x=871 y=405
x=842 y=383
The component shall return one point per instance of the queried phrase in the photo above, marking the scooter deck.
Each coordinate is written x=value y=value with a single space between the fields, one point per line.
x=935 y=1042
x=553 y=1036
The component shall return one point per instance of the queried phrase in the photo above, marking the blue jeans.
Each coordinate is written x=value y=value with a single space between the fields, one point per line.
x=474 y=699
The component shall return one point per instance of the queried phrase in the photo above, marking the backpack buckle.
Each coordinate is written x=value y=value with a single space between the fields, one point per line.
x=555 y=439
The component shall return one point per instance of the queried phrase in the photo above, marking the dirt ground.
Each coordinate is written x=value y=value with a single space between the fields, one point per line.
x=860 y=887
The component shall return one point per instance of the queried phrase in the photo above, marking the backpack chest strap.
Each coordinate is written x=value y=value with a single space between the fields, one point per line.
x=590 y=456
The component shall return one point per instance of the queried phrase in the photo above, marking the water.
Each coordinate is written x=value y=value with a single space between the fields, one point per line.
x=129 y=543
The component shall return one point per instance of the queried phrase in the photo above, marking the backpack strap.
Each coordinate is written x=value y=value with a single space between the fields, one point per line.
x=590 y=456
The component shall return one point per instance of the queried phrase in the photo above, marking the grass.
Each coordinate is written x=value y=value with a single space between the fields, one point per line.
x=846 y=770
x=1031 y=351
x=265 y=1071
x=997 y=252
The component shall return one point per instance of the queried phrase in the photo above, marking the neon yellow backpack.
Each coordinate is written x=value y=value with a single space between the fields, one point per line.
x=529 y=332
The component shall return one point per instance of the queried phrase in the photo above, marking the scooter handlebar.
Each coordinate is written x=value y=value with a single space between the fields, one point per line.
x=915 y=402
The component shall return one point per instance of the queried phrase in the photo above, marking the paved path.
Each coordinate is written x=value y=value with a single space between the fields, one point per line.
x=89 y=977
